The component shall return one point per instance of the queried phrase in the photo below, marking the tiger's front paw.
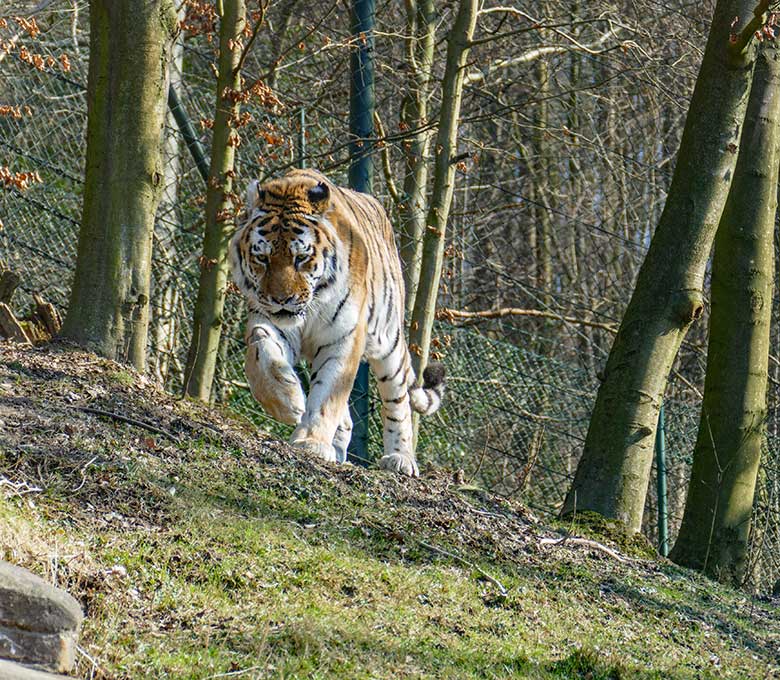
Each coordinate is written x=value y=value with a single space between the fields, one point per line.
x=324 y=451
x=289 y=409
x=397 y=462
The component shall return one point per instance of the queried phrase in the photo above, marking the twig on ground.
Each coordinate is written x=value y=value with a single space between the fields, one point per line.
x=586 y=542
x=465 y=562
x=233 y=674
x=84 y=474
x=18 y=488
x=126 y=419
x=95 y=666
x=476 y=510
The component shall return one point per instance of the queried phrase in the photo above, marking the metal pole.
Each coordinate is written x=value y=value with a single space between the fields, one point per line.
x=361 y=130
x=660 y=464
x=188 y=133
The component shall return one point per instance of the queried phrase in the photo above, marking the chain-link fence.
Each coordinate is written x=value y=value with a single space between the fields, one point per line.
x=518 y=401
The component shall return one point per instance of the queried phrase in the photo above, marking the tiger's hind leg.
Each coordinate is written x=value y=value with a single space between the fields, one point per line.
x=392 y=370
x=272 y=378
x=342 y=437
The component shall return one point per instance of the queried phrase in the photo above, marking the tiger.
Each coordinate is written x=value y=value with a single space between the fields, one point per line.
x=320 y=271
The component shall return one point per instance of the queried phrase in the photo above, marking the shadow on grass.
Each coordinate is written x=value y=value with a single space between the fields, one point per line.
x=727 y=626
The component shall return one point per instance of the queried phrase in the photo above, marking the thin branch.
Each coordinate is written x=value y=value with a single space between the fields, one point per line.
x=40 y=7
x=127 y=419
x=233 y=674
x=451 y=315
x=585 y=542
x=255 y=30
x=688 y=383
x=503 y=591
x=539 y=52
x=738 y=43
x=385 y=155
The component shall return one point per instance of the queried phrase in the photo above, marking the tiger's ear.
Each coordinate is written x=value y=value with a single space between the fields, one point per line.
x=319 y=195
x=254 y=194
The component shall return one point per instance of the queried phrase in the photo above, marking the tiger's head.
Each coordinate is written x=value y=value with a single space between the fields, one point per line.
x=284 y=255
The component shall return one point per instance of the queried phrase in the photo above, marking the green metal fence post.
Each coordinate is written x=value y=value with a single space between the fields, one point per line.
x=188 y=133
x=361 y=129
x=660 y=464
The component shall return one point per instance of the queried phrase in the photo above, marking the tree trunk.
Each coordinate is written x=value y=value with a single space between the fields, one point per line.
x=130 y=45
x=207 y=322
x=168 y=231
x=421 y=29
x=715 y=528
x=458 y=45
x=613 y=474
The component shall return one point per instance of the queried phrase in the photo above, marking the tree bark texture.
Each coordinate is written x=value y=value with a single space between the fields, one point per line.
x=130 y=46
x=207 y=322
x=716 y=524
x=421 y=30
x=613 y=474
x=458 y=45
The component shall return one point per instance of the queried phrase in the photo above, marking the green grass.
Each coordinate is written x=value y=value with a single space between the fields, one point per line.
x=225 y=553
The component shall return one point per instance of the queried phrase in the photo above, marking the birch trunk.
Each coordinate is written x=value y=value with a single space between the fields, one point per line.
x=212 y=288
x=421 y=29
x=458 y=45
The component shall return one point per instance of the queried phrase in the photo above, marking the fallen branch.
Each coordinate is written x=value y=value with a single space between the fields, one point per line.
x=447 y=314
x=241 y=671
x=503 y=591
x=585 y=542
x=18 y=488
x=126 y=419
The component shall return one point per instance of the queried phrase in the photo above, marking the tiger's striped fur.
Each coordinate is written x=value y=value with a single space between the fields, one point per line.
x=320 y=270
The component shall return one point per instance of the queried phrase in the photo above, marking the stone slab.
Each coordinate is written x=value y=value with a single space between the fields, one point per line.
x=13 y=671
x=29 y=603
x=52 y=651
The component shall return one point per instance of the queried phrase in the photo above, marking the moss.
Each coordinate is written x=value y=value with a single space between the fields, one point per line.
x=597 y=527
x=122 y=377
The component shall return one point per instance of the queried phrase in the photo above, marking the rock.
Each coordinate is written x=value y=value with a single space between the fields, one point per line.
x=28 y=602
x=53 y=651
x=39 y=624
x=13 y=671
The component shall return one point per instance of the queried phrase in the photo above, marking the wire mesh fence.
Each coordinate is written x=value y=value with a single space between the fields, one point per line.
x=519 y=398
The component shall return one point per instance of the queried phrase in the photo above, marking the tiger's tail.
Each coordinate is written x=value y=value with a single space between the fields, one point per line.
x=426 y=400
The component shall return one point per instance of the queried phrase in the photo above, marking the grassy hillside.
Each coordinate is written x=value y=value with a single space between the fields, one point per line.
x=200 y=548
